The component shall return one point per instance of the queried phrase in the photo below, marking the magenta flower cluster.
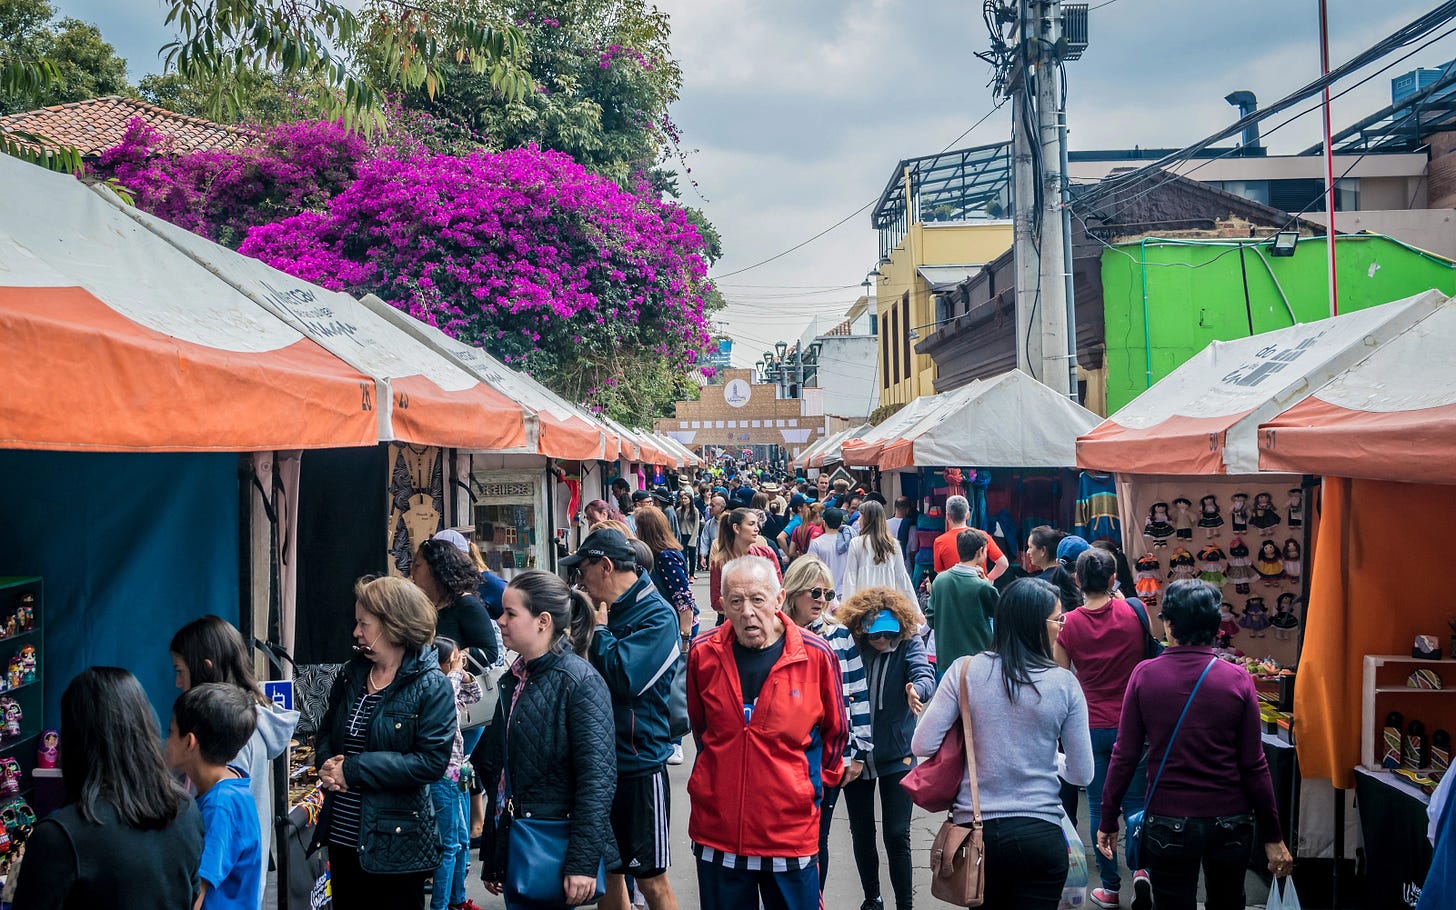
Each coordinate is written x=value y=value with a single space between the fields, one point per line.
x=220 y=194
x=552 y=268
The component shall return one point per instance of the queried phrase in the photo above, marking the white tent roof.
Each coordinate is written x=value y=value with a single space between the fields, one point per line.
x=833 y=449
x=865 y=451
x=1011 y=420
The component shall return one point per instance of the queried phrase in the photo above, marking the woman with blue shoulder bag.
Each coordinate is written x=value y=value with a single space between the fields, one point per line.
x=551 y=759
x=1200 y=718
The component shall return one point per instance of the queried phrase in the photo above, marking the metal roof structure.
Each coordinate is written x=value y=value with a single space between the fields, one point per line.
x=1400 y=127
x=960 y=185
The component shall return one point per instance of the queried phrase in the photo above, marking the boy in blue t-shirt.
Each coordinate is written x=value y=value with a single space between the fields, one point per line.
x=210 y=724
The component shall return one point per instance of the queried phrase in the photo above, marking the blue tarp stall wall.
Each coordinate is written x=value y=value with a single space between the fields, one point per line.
x=131 y=547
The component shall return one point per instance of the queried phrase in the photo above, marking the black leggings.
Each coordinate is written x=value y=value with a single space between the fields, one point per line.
x=859 y=798
x=352 y=887
x=826 y=818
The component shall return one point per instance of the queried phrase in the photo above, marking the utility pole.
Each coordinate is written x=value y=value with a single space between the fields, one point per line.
x=1045 y=314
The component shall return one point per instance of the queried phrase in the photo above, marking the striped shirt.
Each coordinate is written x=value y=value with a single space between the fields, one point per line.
x=344 y=816
x=715 y=857
x=856 y=687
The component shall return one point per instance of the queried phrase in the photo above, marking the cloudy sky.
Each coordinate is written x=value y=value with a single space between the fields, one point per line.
x=796 y=112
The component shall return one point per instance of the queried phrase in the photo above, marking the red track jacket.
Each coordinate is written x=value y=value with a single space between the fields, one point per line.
x=755 y=786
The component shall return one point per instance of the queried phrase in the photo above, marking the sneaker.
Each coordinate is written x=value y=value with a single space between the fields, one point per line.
x=873 y=903
x=1142 y=890
x=1101 y=897
x=676 y=758
x=468 y=905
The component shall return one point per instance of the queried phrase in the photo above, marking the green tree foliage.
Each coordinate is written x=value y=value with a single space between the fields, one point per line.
x=271 y=99
x=44 y=62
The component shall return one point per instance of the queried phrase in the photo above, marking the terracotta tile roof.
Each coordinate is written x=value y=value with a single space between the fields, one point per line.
x=98 y=124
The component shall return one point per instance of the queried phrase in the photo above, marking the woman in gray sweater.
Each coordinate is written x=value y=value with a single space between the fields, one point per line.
x=1021 y=704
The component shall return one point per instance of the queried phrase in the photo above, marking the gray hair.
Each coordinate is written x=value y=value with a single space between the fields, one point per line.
x=755 y=565
x=957 y=509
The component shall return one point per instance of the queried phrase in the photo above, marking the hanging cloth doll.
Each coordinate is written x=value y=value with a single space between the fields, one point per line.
x=1294 y=508
x=1183 y=518
x=1293 y=559
x=1210 y=565
x=1158 y=529
x=1149 y=579
x=1264 y=516
x=1228 y=625
x=1240 y=568
x=1284 y=621
x=1182 y=565
x=1269 y=564
x=1211 y=519
x=1256 y=617
x=1239 y=512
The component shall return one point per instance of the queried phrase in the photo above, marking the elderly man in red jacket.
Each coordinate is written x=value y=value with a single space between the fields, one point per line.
x=767 y=713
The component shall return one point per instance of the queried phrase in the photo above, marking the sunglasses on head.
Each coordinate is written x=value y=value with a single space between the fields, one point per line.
x=824 y=594
x=882 y=636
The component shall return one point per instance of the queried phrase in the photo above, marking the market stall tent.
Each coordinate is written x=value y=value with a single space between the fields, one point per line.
x=1010 y=419
x=111 y=339
x=864 y=450
x=1392 y=416
x=801 y=461
x=1203 y=417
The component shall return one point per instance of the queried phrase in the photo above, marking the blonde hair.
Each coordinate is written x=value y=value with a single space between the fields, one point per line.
x=478 y=558
x=405 y=614
x=805 y=573
x=614 y=525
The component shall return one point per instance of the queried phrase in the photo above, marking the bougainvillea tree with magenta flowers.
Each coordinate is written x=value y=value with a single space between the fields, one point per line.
x=596 y=290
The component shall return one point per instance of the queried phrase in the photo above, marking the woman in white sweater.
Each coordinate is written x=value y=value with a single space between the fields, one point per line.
x=1021 y=704
x=874 y=558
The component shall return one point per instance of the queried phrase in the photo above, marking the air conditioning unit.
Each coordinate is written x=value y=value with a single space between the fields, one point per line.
x=1074 y=31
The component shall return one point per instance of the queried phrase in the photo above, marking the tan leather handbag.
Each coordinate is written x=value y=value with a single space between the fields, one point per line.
x=957 y=859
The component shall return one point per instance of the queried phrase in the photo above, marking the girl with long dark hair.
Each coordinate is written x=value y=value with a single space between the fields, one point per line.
x=451 y=582
x=738 y=535
x=127 y=836
x=875 y=558
x=1021 y=705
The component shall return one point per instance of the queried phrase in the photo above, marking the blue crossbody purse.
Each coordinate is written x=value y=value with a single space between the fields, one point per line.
x=536 y=859
x=1135 y=820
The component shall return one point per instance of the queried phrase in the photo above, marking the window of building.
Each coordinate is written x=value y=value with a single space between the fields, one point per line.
x=732 y=424
x=682 y=425
x=780 y=423
x=895 y=343
x=905 y=332
x=757 y=423
x=697 y=425
x=793 y=422
x=719 y=425
x=885 y=356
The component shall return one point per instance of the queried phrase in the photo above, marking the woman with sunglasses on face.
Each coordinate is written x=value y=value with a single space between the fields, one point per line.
x=900 y=679
x=808 y=593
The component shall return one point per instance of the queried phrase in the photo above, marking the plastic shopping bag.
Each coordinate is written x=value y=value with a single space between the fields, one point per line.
x=1288 y=900
x=1074 y=892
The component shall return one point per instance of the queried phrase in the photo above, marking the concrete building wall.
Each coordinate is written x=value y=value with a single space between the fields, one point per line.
x=1433 y=230
x=848 y=375
x=755 y=417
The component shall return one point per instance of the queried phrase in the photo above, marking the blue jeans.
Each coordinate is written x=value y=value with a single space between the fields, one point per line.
x=1103 y=739
x=450 y=816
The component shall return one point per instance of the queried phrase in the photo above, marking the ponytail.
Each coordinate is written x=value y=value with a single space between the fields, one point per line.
x=583 y=622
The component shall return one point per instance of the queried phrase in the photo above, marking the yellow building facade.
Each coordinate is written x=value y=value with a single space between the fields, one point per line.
x=939 y=219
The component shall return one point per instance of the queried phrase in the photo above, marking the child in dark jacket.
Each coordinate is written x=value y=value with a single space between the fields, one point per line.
x=901 y=680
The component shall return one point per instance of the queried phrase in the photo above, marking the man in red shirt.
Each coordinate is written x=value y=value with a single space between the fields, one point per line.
x=957 y=518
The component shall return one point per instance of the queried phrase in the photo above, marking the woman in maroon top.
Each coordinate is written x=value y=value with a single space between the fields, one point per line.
x=1217 y=763
x=1102 y=642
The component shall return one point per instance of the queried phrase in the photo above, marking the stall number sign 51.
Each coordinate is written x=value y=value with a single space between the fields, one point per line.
x=280 y=693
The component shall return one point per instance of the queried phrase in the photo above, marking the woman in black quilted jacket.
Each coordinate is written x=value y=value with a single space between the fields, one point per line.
x=551 y=750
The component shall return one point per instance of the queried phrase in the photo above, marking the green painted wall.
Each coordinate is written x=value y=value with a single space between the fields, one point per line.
x=1195 y=294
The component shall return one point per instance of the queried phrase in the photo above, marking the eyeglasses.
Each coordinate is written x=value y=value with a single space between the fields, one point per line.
x=882 y=636
x=824 y=594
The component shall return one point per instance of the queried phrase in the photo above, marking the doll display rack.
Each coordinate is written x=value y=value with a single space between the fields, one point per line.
x=1386 y=689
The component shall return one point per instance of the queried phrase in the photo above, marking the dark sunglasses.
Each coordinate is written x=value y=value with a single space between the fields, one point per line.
x=882 y=636
x=824 y=594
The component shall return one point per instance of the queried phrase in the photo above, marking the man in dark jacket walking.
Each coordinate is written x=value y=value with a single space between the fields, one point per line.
x=635 y=648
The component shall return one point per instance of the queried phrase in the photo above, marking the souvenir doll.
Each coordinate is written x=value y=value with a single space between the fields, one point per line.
x=1212 y=517
x=1294 y=508
x=1256 y=617
x=25 y=616
x=1210 y=566
x=1239 y=512
x=1228 y=625
x=1182 y=565
x=1264 y=516
x=1158 y=529
x=1284 y=621
x=49 y=753
x=1149 y=579
x=13 y=716
x=13 y=673
x=11 y=786
x=1182 y=518
x=1293 y=559
x=1240 y=568
x=27 y=665
x=1269 y=564
x=12 y=625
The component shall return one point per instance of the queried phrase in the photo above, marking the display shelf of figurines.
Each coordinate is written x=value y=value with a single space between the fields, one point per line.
x=1407 y=716
x=24 y=744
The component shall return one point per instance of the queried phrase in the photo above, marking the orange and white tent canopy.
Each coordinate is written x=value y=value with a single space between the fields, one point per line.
x=1009 y=420
x=864 y=451
x=1203 y=418
x=555 y=428
x=111 y=339
x=686 y=456
x=1392 y=416
x=801 y=461
x=831 y=450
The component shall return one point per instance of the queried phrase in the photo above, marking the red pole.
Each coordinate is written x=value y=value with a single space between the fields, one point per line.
x=1324 y=27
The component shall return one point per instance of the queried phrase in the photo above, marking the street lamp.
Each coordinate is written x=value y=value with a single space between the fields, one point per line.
x=758 y=370
x=782 y=347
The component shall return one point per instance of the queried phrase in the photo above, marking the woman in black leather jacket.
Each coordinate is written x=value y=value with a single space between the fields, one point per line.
x=385 y=737
x=554 y=732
